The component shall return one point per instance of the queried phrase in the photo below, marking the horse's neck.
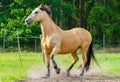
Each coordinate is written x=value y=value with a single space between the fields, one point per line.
x=48 y=26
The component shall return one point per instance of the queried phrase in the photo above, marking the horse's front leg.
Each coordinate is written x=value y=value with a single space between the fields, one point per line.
x=54 y=51
x=48 y=65
x=47 y=58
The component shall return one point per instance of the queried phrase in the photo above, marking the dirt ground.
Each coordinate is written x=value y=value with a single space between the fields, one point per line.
x=35 y=74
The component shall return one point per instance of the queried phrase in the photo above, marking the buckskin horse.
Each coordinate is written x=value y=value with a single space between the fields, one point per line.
x=58 y=41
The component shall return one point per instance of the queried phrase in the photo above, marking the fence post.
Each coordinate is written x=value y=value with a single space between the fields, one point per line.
x=103 y=40
x=18 y=41
x=3 y=43
x=0 y=4
x=35 y=44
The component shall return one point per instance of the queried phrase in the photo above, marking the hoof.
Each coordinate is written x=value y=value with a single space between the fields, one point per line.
x=81 y=74
x=57 y=70
x=47 y=75
x=68 y=73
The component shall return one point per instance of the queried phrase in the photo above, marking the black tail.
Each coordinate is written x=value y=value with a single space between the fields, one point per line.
x=90 y=55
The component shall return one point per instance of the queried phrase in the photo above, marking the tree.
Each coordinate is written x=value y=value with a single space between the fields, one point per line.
x=106 y=20
x=101 y=17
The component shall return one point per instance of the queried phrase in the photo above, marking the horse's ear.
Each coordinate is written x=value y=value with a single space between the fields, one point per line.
x=41 y=6
x=46 y=8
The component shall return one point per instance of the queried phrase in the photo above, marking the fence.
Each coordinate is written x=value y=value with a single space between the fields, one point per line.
x=34 y=44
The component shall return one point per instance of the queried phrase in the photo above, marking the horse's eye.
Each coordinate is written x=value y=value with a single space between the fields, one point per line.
x=36 y=12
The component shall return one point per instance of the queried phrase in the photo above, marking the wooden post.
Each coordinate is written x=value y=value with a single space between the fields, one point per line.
x=103 y=40
x=35 y=44
x=3 y=43
x=0 y=4
x=19 y=49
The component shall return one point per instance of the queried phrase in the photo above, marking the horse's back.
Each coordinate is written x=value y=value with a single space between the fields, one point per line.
x=73 y=39
x=85 y=36
x=81 y=33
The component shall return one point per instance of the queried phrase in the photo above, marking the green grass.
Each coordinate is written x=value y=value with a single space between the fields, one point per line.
x=11 y=69
x=110 y=62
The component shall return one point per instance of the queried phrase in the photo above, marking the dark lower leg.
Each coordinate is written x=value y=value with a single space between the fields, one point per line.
x=68 y=70
x=82 y=72
x=55 y=65
x=71 y=66
x=48 y=70
x=75 y=57
x=83 y=66
x=47 y=58
x=83 y=63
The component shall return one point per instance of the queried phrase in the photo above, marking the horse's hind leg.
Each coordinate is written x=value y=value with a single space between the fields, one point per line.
x=84 y=52
x=75 y=59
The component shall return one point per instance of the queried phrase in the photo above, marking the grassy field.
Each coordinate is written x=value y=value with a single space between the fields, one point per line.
x=11 y=69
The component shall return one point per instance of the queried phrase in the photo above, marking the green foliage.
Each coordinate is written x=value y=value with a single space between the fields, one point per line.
x=106 y=19
x=101 y=17
x=13 y=14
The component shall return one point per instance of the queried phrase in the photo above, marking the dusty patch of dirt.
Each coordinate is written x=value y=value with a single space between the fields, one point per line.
x=35 y=74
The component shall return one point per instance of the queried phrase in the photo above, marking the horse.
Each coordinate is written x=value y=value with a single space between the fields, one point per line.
x=57 y=41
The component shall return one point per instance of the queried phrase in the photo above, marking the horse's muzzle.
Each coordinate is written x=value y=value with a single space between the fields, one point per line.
x=28 y=21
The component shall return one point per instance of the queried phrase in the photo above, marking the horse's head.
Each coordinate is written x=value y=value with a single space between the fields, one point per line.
x=37 y=14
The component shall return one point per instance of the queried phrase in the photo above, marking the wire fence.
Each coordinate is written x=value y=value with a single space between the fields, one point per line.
x=30 y=43
x=33 y=44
